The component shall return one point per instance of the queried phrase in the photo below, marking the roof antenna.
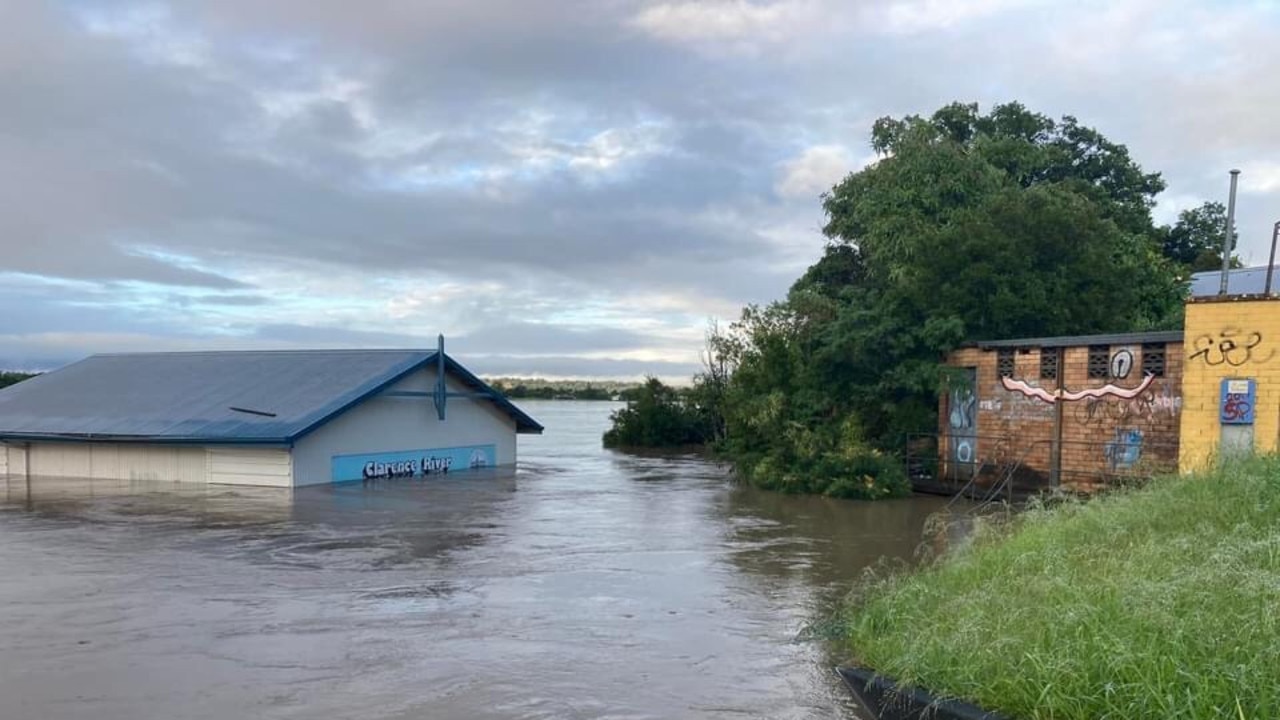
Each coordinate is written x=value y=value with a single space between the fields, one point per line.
x=441 y=395
x=1226 y=239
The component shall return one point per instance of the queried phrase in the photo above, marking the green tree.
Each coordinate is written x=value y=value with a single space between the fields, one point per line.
x=969 y=227
x=8 y=378
x=1029 y=148
x=707 y=396
x=1195 y=240
x=657 y=417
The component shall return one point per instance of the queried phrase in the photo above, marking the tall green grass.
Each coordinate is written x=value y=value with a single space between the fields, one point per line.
x=1162 y=602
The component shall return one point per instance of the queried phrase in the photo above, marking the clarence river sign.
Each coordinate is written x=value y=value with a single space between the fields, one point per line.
x=411 y=463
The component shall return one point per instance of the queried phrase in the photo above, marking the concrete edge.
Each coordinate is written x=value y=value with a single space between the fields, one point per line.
x=884 y=700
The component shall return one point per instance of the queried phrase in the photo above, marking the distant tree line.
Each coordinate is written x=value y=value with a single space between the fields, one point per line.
x=8 y=378
x=969 y=226
x=534 y=389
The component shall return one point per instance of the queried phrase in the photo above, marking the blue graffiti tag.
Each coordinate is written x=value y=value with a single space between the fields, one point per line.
x=1126 y=450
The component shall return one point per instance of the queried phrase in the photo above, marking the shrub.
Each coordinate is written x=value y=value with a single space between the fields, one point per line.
x=866 y=476
x=862 y=475
x=656 y=417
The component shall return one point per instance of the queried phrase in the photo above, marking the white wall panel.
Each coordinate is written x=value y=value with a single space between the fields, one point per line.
x=387 y=424
x=113 y=461
x=69 y=460
x=17 y=460
x=268 y=467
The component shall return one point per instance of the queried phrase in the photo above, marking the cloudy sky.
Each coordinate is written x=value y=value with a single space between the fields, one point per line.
x=562 y=188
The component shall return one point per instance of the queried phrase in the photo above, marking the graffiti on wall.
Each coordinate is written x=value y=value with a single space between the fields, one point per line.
x=1017 y=407
x=1021 y=407
x=1126 y=450
x=1236 y=409
x=1238 y=400
x=962 y=404
x=962 y=419
x=1053 y=396
x=1121 y=363
x=1231 y=347
x=1149 y=407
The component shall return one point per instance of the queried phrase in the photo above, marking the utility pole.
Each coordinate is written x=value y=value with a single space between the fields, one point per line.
x=1271 y=264
x=1231 y=226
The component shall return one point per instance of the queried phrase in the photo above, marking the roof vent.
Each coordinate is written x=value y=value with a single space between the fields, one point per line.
x=262 y=413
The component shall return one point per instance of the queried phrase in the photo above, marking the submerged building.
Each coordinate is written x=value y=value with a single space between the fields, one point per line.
x=268 y=418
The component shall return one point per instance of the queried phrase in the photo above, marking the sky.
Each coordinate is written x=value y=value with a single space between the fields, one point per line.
x=563 y=189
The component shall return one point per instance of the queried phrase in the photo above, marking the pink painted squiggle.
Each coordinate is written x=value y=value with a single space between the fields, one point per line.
x=1052 y=397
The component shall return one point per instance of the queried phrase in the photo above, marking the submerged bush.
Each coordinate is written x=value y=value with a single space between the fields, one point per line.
x=865 y=475
x=1151 y=603
x=868 y=476
x=656 y=417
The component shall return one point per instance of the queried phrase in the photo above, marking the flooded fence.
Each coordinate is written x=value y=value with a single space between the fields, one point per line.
x=989 y=466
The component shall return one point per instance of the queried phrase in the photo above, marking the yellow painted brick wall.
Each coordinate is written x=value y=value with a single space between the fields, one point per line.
x=1253 y=326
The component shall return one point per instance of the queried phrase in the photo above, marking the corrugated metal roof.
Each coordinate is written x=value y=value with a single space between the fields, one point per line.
x=269 y=397
x=1076 y=340
x=1242 y=281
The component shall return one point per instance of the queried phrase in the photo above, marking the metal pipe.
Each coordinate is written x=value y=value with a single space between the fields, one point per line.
x=1226 y=240
x=442 y=390
x=1055 y=450
x=1271 y=264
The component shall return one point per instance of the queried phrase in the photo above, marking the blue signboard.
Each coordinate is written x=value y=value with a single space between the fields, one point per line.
x=1237 y=401
x=412 y=463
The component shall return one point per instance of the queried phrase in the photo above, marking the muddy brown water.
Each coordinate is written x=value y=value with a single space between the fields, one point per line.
x=587 y=584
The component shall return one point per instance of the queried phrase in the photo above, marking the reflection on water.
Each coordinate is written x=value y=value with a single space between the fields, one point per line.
x=588 y=584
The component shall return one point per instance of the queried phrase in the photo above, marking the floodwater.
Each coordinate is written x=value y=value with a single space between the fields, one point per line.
x=588 y=584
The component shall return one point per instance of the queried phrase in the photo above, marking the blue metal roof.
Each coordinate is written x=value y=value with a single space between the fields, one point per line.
x=1241 y=281
x=268 y=397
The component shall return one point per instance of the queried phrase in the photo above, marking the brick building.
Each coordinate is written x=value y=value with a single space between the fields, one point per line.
x=1072 y=411
x=1232 y=378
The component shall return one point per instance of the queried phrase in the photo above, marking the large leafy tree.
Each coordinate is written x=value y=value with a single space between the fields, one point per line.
x=970 y=226
x=1195 y=240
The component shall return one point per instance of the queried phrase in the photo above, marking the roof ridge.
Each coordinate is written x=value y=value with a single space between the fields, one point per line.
x=276 y=351
x=161 y=395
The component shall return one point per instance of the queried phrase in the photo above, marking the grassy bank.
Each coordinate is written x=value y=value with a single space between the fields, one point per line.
x=1156 y=603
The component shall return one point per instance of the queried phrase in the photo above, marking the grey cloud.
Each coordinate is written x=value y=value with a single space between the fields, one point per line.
x=510 y=338
x=107 y=146
x=223 y=299
x=184 y=193
x=56 y=309
x=43 y=355
x=548 y=338
x=315 y=336
x=571 y=366
x=31 y=309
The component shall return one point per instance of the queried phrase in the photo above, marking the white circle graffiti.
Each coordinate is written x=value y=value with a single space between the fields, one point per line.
x=964 y=451
x=1121 y=364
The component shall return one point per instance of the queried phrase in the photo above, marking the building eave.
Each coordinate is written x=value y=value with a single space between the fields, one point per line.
x=1163 y=336
x=11 y=437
